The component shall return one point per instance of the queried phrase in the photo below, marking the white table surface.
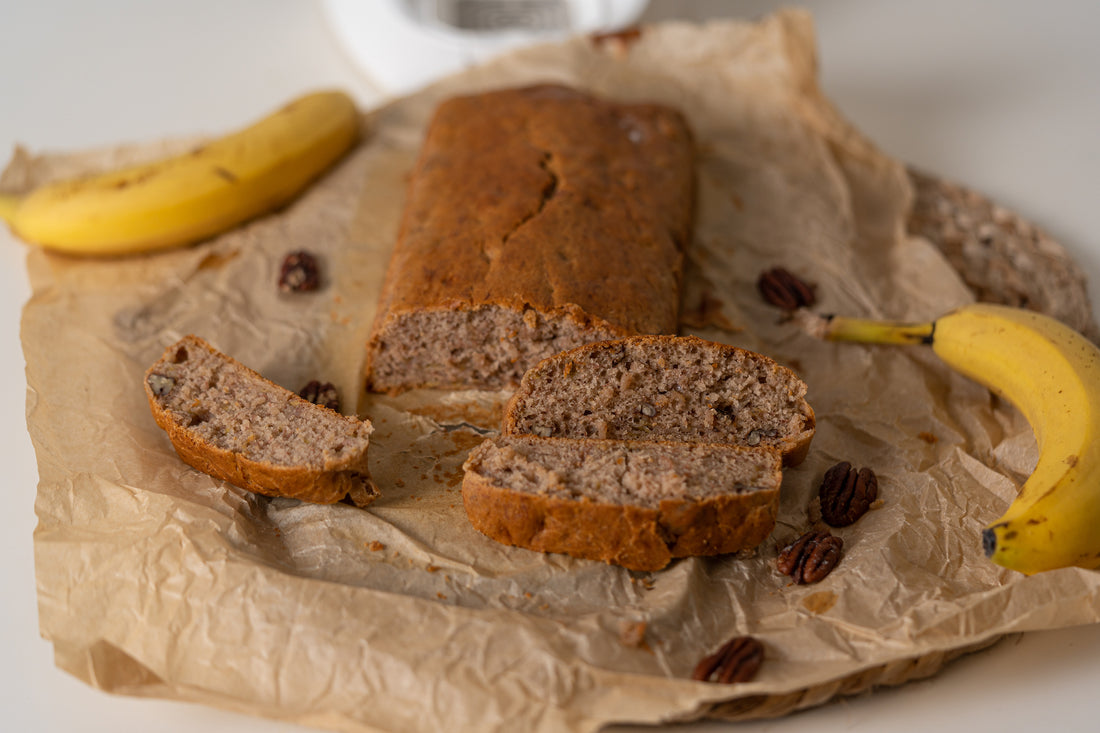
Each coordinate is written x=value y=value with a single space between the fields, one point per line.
x=1004 y=96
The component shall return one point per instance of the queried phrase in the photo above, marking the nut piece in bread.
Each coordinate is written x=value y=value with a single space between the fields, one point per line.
x=631 y=503
x=671 y=388
x=226 y=420
x=536 y=219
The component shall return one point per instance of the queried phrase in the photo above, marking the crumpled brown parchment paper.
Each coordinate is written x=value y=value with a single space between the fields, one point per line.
x=156 y=580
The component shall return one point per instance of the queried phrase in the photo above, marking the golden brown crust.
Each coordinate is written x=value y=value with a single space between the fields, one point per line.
x=549 y=200
x=348 y=478
x=635 y=537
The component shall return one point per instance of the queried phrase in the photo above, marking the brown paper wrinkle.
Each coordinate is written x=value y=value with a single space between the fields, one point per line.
x=148 y=572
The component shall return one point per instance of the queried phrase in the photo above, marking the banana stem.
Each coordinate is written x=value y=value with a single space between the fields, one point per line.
x=867 y=331
x=8 y=205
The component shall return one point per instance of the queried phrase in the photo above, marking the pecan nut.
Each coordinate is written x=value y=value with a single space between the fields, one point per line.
x=321 y=394
x=738 y=660
x=811 y=557
x=299 y=273
x=783 y=289
x=846 y=494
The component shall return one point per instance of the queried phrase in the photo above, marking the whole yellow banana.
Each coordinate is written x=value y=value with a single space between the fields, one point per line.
x=1052 y=374
x=193 y=196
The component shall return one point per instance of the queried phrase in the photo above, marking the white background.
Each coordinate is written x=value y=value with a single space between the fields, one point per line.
x=1003 y=96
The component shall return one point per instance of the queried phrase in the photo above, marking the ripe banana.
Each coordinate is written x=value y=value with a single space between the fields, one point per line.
x=193 y=196
x=1052 y=375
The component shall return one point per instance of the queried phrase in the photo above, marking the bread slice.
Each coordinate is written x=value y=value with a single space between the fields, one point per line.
x=665 y=388
x=226 y=420
x=632 y=503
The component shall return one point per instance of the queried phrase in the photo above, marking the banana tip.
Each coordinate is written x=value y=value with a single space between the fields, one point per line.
x=989 y=541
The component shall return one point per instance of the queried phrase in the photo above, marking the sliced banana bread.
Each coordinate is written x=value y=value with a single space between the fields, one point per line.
x=665 y=388
x=537 y=219
x=228 y=421
x=632 y=503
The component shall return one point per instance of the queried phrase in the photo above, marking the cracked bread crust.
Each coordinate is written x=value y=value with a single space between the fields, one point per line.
x=563 y=506
x=227 y=421
x=536 y=219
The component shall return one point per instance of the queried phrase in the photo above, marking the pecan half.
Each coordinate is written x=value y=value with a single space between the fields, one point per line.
x=811 y=557
x=785 y=290
x=299 y=273
x=738 y=660
x=846 y=494
x=321 y=394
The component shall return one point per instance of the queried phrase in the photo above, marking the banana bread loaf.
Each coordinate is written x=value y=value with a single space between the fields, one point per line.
x=665 y=388
x=226 y=420
x=536 y=219
x=635 y=504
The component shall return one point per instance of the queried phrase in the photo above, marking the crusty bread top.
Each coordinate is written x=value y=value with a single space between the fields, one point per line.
x=550 y=199
x=665 y=388
x=223 y=404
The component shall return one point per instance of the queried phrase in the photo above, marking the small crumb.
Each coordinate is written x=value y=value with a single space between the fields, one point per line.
x=813 y=510
x=375 y=546
x=441 y=596
x=820 y=602
x=527 y=594
x=399 y=483
x=432 y=568
x=632 y=633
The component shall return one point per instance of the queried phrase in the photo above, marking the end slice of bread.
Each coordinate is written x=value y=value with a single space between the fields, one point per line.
x=636 y=504
x=666 y=388
x=226 y=420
